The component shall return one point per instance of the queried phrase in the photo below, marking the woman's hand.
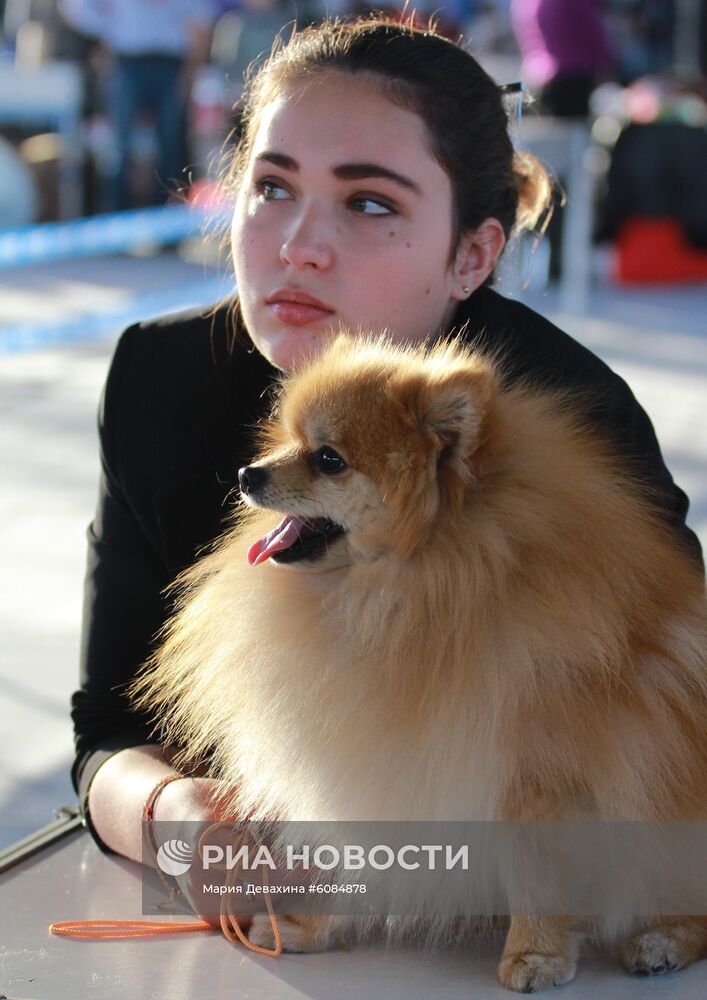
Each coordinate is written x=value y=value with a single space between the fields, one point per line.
x=194 y=805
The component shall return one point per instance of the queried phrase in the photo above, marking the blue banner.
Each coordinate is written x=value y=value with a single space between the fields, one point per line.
x=116 y=232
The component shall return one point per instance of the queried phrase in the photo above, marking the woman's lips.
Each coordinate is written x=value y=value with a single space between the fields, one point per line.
x=298 y=313
x=296 y=307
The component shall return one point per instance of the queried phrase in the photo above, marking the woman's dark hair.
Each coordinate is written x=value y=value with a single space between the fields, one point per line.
x=423 y=72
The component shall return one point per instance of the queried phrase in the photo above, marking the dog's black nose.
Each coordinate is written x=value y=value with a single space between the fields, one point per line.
x=251 y=478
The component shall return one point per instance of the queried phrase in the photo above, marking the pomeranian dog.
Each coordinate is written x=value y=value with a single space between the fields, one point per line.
x=443 y=600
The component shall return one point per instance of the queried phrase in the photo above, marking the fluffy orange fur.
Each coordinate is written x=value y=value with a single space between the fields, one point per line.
x=507 y=630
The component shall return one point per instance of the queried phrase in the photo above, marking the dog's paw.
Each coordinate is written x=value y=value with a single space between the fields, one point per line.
x=663 y=949
x=528 y=973
x=301 y=934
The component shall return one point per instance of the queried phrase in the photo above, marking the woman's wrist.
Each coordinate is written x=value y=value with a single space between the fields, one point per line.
x=189 y=800
x=118 y=794
x=125 y=784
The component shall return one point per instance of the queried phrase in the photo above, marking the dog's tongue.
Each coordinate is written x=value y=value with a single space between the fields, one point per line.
x=282 y=537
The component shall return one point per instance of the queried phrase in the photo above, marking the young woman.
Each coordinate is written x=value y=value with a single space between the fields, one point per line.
x=376 y=188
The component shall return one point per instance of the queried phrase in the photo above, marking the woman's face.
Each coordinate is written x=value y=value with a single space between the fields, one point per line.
x=344 y=218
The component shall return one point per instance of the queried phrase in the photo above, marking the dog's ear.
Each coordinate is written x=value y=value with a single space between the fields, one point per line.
x=448 y=403
x=448 y=406
x=453 y=405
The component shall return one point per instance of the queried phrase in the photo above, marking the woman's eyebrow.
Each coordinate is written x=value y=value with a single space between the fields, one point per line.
x=346 y=171
x=359 y=172
x=278 y=160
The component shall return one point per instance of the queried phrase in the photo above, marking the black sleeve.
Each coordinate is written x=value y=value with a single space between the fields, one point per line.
x=123 y=605
x=622 y=419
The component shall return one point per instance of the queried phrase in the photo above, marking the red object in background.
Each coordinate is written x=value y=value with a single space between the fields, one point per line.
x=209 y=197
x=655 y=251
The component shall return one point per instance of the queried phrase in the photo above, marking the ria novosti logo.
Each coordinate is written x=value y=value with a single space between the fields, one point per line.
x=175 y=857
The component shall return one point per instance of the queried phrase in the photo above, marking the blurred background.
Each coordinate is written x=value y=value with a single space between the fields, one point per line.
x=113 y=116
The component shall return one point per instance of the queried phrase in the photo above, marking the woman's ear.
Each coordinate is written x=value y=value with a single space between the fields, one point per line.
x=476 y=257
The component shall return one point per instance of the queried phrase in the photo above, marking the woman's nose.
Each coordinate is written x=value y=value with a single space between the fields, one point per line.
x=307 y=243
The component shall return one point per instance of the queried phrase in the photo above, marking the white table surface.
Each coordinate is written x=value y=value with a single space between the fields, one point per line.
x=73 y=880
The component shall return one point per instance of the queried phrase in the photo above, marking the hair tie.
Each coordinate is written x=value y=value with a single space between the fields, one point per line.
x=514 y=88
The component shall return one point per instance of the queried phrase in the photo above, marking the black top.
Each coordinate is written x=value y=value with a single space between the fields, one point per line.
x=174 y=422
x=642 y=160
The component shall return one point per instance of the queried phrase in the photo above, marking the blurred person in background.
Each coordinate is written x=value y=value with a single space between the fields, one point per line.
x=487 y=25
x=155 y=48
x=643 y=31
x=565 y=50
x=244 y=35
x=53 y=38
x=654 y=207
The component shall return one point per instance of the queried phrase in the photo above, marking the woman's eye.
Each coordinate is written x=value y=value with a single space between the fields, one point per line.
x=270 y=190
x=371 y=206
x=329 y=461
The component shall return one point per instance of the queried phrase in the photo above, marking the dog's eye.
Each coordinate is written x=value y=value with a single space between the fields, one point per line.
x=329 y=461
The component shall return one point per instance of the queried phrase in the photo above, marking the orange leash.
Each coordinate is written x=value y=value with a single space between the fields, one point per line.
x=123 y=928
x=112 y=929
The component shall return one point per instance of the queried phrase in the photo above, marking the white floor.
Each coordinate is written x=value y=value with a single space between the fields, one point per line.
x=48 y=463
